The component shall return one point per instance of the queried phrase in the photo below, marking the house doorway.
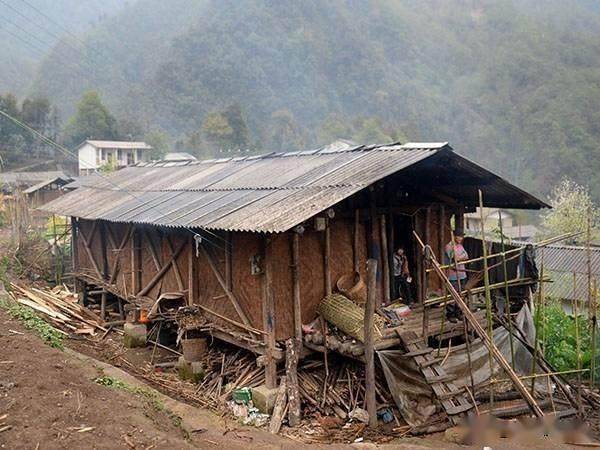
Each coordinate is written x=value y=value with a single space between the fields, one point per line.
x=402 y=237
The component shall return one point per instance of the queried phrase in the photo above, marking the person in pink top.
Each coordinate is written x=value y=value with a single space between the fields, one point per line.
x=454 y=253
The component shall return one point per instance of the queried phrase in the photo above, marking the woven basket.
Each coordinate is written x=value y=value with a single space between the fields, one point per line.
x=349 y=317
x=352 y=286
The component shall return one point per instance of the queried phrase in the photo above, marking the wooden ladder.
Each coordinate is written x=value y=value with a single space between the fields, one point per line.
x=452 y=399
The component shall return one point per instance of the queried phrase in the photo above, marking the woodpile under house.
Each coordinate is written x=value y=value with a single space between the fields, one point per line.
x=252 y=245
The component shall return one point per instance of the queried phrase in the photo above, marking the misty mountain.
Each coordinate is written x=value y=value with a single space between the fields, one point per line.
x=513 y=84
x=29 y=29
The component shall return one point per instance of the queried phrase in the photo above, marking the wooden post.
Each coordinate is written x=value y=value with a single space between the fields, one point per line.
x=291 y=366
x=374 y=249
x=228 y=259
x=418 y=259
x=268 y=315
x=192 y=273
x=103 y=249
x=356 y=240
x=577 y=348
x=136 y=272
x=370 y=387
x=428 y=241
x=75 y=253
x=327 y=259
x=385 y=270
x=296 y=287
x=103 y=305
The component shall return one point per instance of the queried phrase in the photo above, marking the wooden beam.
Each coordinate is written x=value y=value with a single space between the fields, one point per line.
x=385 y=270
x=269 y=314
x=162 y=271
x=236 y=305
x=296 y=288
x=356 y=236
x=115 y=267
x=88 y=250
x=192 y=273
x=176 y=269
x=136 y=271
x=291 y=369
x=228 y=261
x=75 y=252
x=153 y=251
x=370 y=386
x=327 y=259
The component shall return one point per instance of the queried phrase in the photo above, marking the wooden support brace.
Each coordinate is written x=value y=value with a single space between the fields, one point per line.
x=162 y=271
x=223 y=284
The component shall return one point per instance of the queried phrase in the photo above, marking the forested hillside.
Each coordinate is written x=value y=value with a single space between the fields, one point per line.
x=30 y=28
x=513 y=84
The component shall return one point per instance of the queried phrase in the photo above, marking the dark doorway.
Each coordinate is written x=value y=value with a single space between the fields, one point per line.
x=401 y=236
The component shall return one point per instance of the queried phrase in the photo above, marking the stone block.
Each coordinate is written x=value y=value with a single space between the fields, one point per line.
x=134 y=335
x=191 y=371
x=264 y=398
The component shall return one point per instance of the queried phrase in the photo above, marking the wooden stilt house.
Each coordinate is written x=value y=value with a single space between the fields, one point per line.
x=258 y=241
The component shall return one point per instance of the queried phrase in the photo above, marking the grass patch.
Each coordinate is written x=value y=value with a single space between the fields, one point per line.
x=148 y=394
x=30 y=320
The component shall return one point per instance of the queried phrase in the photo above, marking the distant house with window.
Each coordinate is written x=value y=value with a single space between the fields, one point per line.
x=94 y=154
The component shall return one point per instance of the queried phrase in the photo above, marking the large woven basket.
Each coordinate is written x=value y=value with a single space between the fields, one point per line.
x=352 y=286
x=349 y=317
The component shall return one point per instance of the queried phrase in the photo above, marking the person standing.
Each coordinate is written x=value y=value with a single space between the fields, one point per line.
x=402 y=277
x=454 y=253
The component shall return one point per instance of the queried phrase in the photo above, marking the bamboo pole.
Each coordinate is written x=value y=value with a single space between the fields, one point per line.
x=506 y=291
x=356 y=240
x=536 y=322
x=296 y=283
x=591 y=298
x=543 y=243
x=269 y=315
x=488 y=298
x=370 y=384
x=575 y=313
x=480 y=331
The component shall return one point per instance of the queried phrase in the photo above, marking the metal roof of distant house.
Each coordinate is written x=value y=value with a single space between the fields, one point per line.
x=30 y=178
x=42 y=184
x=117 y=144
x=569 y=258
x=272 y=192
x=179 y=156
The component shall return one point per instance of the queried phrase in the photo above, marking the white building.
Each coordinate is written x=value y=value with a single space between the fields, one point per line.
x=95 y=154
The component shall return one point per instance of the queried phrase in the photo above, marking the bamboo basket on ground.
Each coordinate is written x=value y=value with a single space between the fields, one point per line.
x=349 y=317
x=352 y=286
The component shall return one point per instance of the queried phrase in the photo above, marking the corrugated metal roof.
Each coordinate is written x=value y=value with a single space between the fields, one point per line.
x=267 y=193
x=568 y=258
x=29 y=178
x=117 y=144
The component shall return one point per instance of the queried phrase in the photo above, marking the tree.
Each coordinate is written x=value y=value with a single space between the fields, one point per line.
x=571 y=207
x=240 y=138
x=286 y=134
x=92 y=120
x=159 y=142
x=217 y=130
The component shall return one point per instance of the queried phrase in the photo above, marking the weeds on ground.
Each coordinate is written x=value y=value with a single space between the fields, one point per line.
x=149 y=395
x=31 y=321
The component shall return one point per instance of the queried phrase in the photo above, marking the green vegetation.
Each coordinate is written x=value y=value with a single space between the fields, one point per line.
x=150 y=395
x=557 y=334
x=572 y=207
x=91 y=121
x=32 y=321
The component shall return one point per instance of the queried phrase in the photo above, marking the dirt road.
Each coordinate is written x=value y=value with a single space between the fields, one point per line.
x=52 y=402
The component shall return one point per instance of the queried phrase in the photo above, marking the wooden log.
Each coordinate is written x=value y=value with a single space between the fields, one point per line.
x=279 y=408
x=385 y=270
x=296 y=288
x=327 y=259
x=103 y=306
x=293 y=392
x=232 y=298
x=369 y=341
x=269 y=315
